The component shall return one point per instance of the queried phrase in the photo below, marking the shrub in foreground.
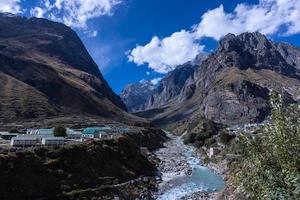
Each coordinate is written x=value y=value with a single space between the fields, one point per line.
x=271 y=165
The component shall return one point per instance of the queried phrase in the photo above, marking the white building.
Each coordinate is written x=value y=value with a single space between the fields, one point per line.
x=88 y=136
x=23 y=141
x=53 y=141
x=42 y=131
x=105 y=135
x=213 y=151
x=37 y=137
x=73 y=134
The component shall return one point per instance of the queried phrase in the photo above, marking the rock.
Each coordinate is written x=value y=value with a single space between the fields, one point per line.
x=189 y=172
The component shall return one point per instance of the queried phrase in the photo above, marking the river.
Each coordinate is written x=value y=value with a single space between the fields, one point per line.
x=183 y=176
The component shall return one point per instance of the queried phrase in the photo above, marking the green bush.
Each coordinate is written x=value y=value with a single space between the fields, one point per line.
x=225 y=137
x=60 y=131
x=13 y=130
x=189 y=138
x=210 y=141
x=271 y=165
x=204 y=130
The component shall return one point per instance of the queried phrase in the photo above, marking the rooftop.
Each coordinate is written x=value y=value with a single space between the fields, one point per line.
x=22 y=138
x=6 y=133
x=54 y=138
x=94 y=130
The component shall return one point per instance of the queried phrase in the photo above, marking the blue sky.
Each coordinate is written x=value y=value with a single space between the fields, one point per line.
x=115 y=27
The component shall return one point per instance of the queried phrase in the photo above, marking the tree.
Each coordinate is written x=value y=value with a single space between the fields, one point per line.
x=271 y=165
x=60 y=131
x=13 y=130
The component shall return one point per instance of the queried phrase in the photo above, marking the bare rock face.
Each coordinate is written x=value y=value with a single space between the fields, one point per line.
x=45 y=63
x=136 y=96
x=231 y=85
x=171 y=89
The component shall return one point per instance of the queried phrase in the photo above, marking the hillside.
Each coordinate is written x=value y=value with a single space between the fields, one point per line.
x=91 y=170
x=46 y=72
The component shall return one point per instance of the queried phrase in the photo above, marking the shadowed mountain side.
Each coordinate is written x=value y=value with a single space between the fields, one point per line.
x=49 y=60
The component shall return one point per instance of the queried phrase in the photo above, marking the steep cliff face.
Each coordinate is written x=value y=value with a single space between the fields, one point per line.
x=174 y=87
x=136 y=96
x=231 y=86
x=170 y=89
x=49 y=63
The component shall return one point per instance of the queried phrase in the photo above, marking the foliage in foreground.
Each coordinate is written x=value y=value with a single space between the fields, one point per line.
x=271 y=165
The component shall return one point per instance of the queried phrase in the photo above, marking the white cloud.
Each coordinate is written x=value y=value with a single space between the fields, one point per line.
x=91 y=33
x=37 y=12
x=155 y=81
x=74 y=13
x=148 y=73
x=10 y=6
x=268 y=17
x=163 y=55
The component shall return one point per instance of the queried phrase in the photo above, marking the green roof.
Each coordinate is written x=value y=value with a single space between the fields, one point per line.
x=94 y=130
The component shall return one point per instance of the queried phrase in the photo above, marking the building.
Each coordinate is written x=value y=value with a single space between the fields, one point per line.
x=23 y=142
x=37 y=137
x=106 y=135
x=96 y=132
x=53 y=141
x=213 y=151
x=88 y=136
x=42 y=131
x=8 y=136
x=73 y=134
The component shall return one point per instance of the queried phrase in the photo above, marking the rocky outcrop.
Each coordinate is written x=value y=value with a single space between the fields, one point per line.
x=174 y=87
x=99 y=169
x=136 y=96
x=46 y=63
x=231 y=86
x=171 y=89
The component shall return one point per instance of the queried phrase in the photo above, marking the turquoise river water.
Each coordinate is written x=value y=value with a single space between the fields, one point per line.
x=178 y=185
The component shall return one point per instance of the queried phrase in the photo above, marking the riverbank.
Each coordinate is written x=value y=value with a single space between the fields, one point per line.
x=183 y=174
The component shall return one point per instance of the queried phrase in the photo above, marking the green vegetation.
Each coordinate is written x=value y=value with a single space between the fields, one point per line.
x=60 y=131
x=13 y=130
x=271 y=165
x=225 y=137
x=202 y=133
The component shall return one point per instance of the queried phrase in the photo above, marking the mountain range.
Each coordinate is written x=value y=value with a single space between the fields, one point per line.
x=46 y=73
x=231 y=86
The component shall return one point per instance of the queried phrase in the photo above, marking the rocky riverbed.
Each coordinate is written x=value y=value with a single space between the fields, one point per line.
x=182 y=174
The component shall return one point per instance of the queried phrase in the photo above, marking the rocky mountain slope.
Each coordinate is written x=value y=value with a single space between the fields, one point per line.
x=144 y=96
x=45 y=71
x=135 y=96
x=231 y=86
